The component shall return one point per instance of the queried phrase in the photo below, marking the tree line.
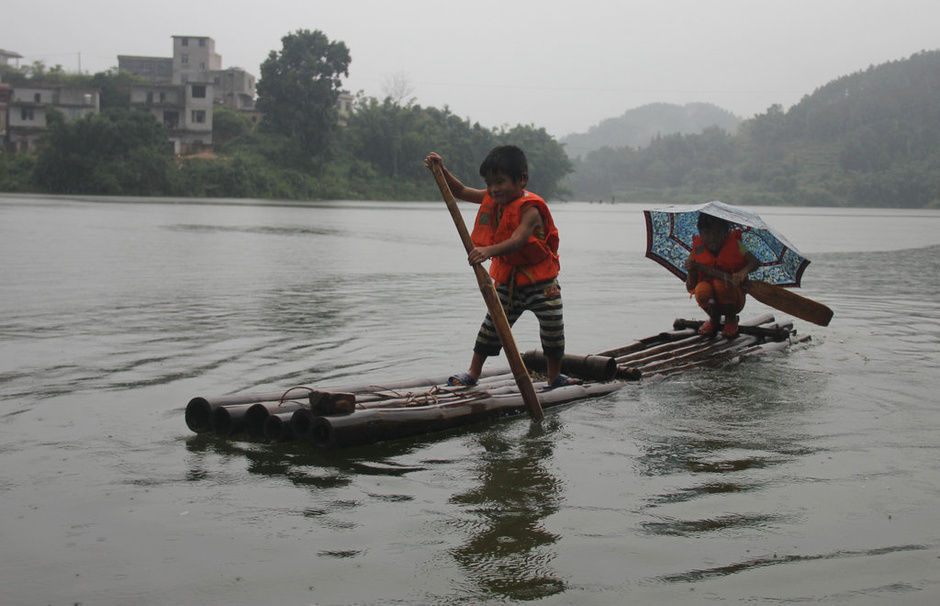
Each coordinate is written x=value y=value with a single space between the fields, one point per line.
x=300 y=150
x=868 y=139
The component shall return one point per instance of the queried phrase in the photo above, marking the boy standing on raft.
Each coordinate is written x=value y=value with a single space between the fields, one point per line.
x=720 y=247
x=515 y=230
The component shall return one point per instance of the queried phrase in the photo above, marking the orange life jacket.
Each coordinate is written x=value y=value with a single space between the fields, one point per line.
x=730 y=258
x=537 y=260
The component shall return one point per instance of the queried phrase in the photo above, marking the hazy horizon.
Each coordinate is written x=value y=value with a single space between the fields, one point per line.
x=514 y=62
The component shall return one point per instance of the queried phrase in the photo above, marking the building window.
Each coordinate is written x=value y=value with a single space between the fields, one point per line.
x=202 y=42
x=37 y=97
x=199 y=116
x=26 y=113
x=162 y=97
x=149 y=97
x=184 y=41
x=199 y=91
x=202 y=65
x=184 y=58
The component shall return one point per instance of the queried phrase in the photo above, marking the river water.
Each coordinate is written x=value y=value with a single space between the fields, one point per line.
x=808 y=476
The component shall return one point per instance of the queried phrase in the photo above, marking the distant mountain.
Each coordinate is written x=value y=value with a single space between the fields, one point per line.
x=637 y=127
x=871 y=138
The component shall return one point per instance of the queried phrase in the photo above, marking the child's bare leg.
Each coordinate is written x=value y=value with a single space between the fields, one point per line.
x=714 y=317
x=730 y=312
x=476 y=365
x=553 y=366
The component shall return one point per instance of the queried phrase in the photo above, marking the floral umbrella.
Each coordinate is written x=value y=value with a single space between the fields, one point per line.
x=669 y=234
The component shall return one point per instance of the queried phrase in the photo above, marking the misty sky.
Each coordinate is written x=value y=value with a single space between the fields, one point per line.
x=559 y=64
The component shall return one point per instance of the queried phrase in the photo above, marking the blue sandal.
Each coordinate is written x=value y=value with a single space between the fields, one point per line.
x=564 y=381
x=462 y=379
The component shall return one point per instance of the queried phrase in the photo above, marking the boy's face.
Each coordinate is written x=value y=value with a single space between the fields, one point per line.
x=713 y=238
x=503 y=188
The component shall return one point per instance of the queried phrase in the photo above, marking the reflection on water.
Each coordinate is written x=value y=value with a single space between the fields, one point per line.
x=509 y=552
x=718 y=437
x=782 y=559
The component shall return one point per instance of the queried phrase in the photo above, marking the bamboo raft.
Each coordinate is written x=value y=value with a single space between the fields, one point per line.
x=343 y=416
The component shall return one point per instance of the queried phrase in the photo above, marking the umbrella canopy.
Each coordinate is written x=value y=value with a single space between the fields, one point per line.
x=669 y=232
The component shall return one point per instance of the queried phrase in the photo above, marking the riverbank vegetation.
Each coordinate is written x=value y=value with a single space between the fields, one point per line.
x=868 y=139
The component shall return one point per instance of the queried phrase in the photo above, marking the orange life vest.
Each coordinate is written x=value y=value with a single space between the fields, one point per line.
x=730 y=258
x=537 y=260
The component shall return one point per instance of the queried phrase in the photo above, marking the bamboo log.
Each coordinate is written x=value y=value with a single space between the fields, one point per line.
x=591 y=368
x=703 y=351
x=257 y=414
x=708 y=351
x=668 y=341
x=229 y=420
x=301 y=422
x=714 y=355
x=733 y=355
x=641 y=344
x=652 y=351
x=378 y=424
x=199 y=410
x=697 y=345
x=364 y=388
x=434 y=396
x=277 y=427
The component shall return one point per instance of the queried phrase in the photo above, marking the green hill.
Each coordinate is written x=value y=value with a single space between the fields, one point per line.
x=871 y=138
x=638 y=126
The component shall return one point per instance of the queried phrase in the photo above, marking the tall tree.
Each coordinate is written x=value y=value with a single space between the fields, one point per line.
x=299 y=87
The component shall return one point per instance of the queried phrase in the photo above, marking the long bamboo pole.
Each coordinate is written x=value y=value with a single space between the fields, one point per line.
x=516 y=365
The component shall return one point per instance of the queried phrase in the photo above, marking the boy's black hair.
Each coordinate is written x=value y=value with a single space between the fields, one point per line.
x=506 y=159
x=712 y=222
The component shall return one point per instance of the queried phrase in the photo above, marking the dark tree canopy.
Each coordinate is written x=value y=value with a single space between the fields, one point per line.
x=299 y=87
x=118 y=151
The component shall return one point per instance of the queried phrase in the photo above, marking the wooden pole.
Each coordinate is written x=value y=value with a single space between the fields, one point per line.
x=516 y=365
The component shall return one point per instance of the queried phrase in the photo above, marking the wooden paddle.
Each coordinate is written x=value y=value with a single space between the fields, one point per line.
x=777 y=297
x=516 y=365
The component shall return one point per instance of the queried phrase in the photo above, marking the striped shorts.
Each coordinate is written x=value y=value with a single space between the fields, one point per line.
x=544 y=300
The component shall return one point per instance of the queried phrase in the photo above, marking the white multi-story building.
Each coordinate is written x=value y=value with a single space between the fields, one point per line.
x=5 y=92
x=6 y=55
x=29 y=106
x=181 y=90
x=185 y=110
x=194 y=58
